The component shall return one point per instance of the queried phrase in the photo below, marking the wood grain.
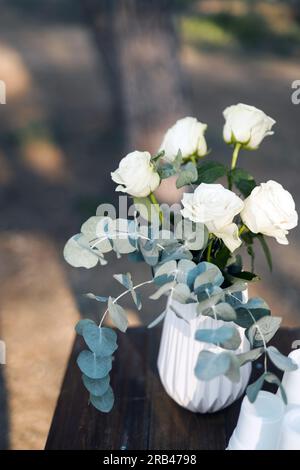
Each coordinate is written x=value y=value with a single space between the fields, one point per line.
x=144 y=417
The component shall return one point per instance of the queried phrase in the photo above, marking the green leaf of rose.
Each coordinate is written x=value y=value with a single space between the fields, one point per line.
x=244 y=182
x=210 y=171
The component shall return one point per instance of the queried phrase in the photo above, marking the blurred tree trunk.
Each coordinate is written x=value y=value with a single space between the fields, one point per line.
x=139 y=41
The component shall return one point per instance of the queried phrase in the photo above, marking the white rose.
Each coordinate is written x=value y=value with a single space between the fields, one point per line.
x=136 y=175
x=270 y=210
x=215 y=206
x=246 y=125
x=187 y=135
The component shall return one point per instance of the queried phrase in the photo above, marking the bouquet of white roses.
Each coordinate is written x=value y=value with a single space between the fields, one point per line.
x=193 y=250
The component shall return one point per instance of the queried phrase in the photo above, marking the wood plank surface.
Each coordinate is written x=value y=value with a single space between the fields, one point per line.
x=144 y=416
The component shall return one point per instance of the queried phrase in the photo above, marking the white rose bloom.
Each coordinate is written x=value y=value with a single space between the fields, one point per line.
x=187 y=135
x=215 y=206
x=136 y=175
x=270 y=210
x=246 y=125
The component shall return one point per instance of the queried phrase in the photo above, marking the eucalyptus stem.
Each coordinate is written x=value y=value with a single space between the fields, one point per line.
x=156 y=204
x=122 y=295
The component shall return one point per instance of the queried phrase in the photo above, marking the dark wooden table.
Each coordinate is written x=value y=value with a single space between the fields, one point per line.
x=144 y=417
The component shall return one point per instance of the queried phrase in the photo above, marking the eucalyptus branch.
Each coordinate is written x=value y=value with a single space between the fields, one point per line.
x=258 y=329
x=139 y=235
x=122 y=295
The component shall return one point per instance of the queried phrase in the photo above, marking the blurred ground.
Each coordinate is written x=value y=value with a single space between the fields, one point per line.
x=61 y=136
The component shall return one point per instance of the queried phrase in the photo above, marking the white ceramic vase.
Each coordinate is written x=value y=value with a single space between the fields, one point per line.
x=177 y=358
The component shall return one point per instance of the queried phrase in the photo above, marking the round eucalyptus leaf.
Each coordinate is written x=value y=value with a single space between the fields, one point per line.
x=124 y=279
x=183 y=268
x=89 y=228
x=222 y=311
x=249 y=356
x=102 y=341
x=207 y=273
x=93 y=366
x=237 y=286
x=166 y=268
x=176 y=253
x=81 y=324
x=187 y=175
x=123 y=245
x=254 y=309
x=149 y=251
x=164 y=289
x=181 y=293
x=233 y=373
x=117 y=315
x=96 y=387
x=254 y=389
x=78 y=253
x=263 y=330
x=165 y=273
x=210 y=299
x=210 y=365
x=273 y=379
x=226 y=336
x=105 y=402
x=279 y=360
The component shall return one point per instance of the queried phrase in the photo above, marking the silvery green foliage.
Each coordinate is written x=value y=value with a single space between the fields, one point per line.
x=96 y=362
x=187 y=175
x=254 y=389
x=100 y=235
x=211 y=365
x=226 y=337
x=280 y=361
x=180 y=274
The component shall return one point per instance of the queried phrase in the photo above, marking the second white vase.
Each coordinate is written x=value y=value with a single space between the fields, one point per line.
x=178 y=356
